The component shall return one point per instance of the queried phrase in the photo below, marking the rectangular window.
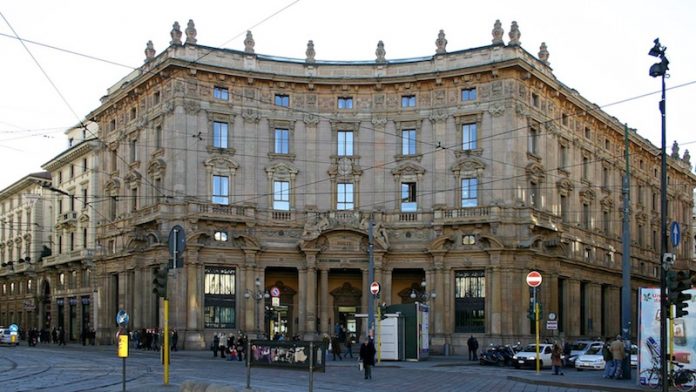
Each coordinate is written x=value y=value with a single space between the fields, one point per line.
x=605 y=177
x=344 y=199
x=281 y=195
x=345 y=102
x=470 y=301
x=534 y=196
x=71 y=244
x=564 y=209
x=221 y=93
x=133 y=149
x=134 y=199
x=606 y=222
x=112 y=207
x=282 y=100
x=564 y=119
x=345 y=143
x=469 y=136
x=585 y=167
x=156 y=97
x=220 y=297
x=84 y=238
x=72 y=171
x=72 y=202
x=408 y=101
x=221 y=190
x=408 y=197
x=220 y=134
x=563 y=156
x=535 y=100
x=158 y=137
x=469 y=192
x=84 y=165
x=469 y=94
x=282 y=141
x=532 y=141
x=588 y=133
x=585 y=216
x=114 y=161
x=408 y=142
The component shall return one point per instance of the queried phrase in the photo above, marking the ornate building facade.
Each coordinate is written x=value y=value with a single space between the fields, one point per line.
x=476 y=166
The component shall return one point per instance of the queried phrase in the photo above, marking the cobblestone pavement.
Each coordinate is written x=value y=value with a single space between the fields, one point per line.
x=77 y=368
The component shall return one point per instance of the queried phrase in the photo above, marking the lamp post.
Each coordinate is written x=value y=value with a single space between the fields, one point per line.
x=423 y=295
x=660 y=70
x=258 y=295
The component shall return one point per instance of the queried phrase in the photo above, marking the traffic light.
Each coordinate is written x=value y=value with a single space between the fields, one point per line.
x=382 y=310
x=160 y=281
x=678 y=297
x=530 y=312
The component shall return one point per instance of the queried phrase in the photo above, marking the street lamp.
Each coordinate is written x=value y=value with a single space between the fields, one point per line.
x=258 y=295
x=423 y=295
x=660 y=70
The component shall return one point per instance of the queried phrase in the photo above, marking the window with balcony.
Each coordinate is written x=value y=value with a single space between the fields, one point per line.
x=408 y=197
x=221 y=190
x=408 y=142
x=281 y=195
x=221 y=93
x=220 y=137
x=469 y=192
x=282 y=141
x=468 y=94
x=344 y=196
x=470 y=302
x=408 y=101
x=345 y=143
x=469 y=136
x=345 y=103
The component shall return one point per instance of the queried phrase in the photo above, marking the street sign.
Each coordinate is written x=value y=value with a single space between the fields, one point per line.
x=534 y=279
x=275 y=292
x=122 y=318
x=14 y=328
x=552 y=316
x=552 y=324
x=675 y=233
x=375 y=288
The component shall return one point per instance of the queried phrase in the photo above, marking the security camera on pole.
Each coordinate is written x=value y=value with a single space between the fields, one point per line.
x=534 y=280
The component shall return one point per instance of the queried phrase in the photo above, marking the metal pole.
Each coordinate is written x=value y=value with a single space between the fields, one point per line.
x=663 y=243
x=536 y=324
x=248 y=364
x=626 y=259
x=311 y=366
x=165 y=343
x=370 y=279
x=124 y=374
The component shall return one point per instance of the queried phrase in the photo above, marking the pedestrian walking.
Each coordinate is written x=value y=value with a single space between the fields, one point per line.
x=473 y=345
x=556 y=362
x=608 y=360
x=349 y=346
x=216 y=345
x=61 y=336
x=367 y=356
x=175 y=339
x=336 y=348
x=617 y=354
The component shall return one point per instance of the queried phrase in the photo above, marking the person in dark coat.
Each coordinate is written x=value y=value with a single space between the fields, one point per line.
x=336 y=348
x=61 y=336
x=216 y=345
x=472 y=343
x=175 y=340
x=367 y=356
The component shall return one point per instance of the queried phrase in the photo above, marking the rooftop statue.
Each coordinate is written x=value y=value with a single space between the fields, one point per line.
x=191 y=32
x=175 y=34
x=497 y=33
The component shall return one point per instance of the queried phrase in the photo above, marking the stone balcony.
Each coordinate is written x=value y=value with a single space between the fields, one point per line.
x=79 y=255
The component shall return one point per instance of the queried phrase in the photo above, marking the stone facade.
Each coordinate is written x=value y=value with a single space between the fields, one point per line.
x=476 y=166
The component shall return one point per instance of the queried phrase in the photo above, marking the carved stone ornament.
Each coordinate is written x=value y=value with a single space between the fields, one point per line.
x=168 y=107
x=544 y=53
x=251 y=115
x=192 y=107
x=191 y=32
x=675 y=150
x=441 y=43
x=497 y=33
x=310 y=52
x=514 y=35
x=535 y=172
x=687 y=157
x=380 y=53
x=344 y=166
x=175 y=34
x=311 y=119
x=439 y=115
x=149 y=51
x=496 y=109
x=379 y=122
x=587 y=195
x=607 y=203
x=249 y=43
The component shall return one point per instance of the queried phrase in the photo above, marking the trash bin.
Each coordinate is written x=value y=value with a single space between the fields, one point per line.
x=446 y=349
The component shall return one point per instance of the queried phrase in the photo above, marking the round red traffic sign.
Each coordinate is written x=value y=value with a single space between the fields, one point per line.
x=375 y=288
x=534 y=279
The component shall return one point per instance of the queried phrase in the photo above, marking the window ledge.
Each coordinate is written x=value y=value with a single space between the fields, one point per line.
x=414 y=157
x=287 y=157
x=223 y=151
x=466 y=153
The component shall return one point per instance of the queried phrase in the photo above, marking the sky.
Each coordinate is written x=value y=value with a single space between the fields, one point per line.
x=598 y=47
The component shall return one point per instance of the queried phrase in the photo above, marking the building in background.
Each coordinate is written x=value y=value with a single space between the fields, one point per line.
x=475 y=166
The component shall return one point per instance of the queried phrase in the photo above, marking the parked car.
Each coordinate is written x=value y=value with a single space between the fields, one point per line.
x=579 y=348
x=8 y=336
x=527 y=357
x=594 y=360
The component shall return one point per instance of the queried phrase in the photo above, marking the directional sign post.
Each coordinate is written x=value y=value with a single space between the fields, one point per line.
x=675 y=234
x=534 y=280
x=375 y=288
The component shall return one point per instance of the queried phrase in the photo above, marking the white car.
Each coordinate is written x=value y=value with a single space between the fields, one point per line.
x=594 y=360
x=580 y=348
x=527 y=357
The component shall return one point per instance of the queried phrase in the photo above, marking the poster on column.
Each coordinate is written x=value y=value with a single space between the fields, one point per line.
x=649 y=333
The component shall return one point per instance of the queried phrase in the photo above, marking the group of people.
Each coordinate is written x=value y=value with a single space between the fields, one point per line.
x=57 y=336
x=230 y=347
x=614 y=354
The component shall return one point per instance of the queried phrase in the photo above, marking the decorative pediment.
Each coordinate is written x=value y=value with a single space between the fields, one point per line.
x=565 y=186
x=588 y=195
x=156 y=166
x=535 y=171
x=281 y=169
x=468 y=167
x=408 y=168
x=132 y=177
x=222 y=163
x=112 y=185
x=83 y=218
x=607 y=203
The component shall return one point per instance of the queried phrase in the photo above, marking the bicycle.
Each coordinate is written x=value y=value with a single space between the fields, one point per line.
x=682 y=379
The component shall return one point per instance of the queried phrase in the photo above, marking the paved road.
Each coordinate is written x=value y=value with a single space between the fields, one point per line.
x=77 y=368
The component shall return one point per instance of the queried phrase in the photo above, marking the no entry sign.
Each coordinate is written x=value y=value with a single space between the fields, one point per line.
x=375 y=288
x=533 y=279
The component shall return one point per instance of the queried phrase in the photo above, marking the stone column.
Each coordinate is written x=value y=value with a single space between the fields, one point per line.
x=572 y=308
x=193 y=274
x=301 y=301
x=439 y=302
x=613 y=312
x=142 y=289
x=594 y=309
x=324 y=300
x=365 y=289
x=495 y=290
x=438 y=122
x=241 y=305
x=311 y=290
x=387 y=285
